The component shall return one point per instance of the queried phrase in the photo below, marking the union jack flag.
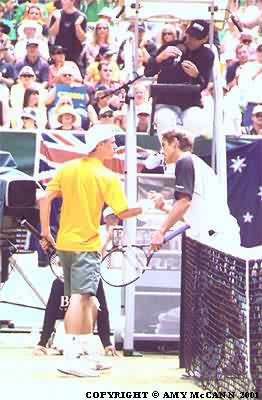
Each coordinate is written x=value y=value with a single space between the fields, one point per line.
x=56 y=147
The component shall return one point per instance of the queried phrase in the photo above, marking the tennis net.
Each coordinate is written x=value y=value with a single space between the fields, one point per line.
x=221 y=319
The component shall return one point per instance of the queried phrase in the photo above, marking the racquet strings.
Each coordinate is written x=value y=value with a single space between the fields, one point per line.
x=123 y=266
x=54 y=261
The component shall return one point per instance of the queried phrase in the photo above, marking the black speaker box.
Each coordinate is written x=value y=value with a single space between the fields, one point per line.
x=20 y=193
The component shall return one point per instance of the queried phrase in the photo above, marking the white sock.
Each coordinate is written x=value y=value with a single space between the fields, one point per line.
x=89 y=345
x=71 y=346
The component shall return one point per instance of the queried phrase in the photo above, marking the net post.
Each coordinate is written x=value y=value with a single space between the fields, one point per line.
x=182 y=285
x=131 y=192
x=248 y=321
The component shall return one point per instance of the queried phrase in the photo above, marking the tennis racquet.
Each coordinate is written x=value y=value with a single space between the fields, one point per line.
x=53 y=259
x=126 y=264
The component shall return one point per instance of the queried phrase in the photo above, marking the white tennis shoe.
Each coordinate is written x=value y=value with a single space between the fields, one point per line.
x=78 y=369
x=98 y=363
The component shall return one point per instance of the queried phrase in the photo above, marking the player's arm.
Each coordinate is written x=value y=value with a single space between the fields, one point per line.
x=45 y=203
x=130 y=212
x=176 y=214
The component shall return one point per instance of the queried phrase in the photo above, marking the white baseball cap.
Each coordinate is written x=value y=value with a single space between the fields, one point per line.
x=97 y=134
x=257 y=109
x=107 y=211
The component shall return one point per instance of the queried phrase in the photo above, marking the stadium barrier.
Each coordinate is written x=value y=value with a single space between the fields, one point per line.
x=221 y=318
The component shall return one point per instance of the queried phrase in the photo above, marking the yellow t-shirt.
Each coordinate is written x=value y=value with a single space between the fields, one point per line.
x=86 y=184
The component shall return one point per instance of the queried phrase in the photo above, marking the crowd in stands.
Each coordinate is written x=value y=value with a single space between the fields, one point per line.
x=62 y=62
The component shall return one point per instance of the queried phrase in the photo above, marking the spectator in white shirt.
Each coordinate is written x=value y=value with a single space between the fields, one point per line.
x=250 y=84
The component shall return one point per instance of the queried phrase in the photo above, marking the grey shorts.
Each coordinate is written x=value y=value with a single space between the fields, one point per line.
x=81 y=271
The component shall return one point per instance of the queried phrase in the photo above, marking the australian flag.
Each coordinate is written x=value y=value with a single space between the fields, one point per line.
x=244 y=169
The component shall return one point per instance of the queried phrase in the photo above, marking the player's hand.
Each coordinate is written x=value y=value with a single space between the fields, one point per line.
x=156 y=241
x=46 y=241
x=111 y=351
x=170 y=51
x=157 y=198
x=190 y=68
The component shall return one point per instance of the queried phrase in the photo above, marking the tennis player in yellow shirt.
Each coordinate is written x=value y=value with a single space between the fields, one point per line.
x=85 y=185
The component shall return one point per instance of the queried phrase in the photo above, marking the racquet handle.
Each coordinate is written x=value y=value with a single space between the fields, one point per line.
x=50 y=250
x=31 y=228
x=176 y=232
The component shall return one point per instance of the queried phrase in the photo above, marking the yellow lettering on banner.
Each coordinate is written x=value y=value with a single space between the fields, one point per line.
x=72 y=95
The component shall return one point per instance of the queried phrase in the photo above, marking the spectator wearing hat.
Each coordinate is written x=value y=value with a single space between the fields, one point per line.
x=92 y=9
x=7 y=74
x=67 y=118
x=143 y=118
x=106 y=53
x=28 y=30
x=68 y=29
x=106 y=116
x=107 y=14
x=188 y=62
x=101 y=36
x=35 y=61
x=28 y=118
x=147 y=47
x=58 y=56
x=256 y=127
x=26 y=80
x=67 y=86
